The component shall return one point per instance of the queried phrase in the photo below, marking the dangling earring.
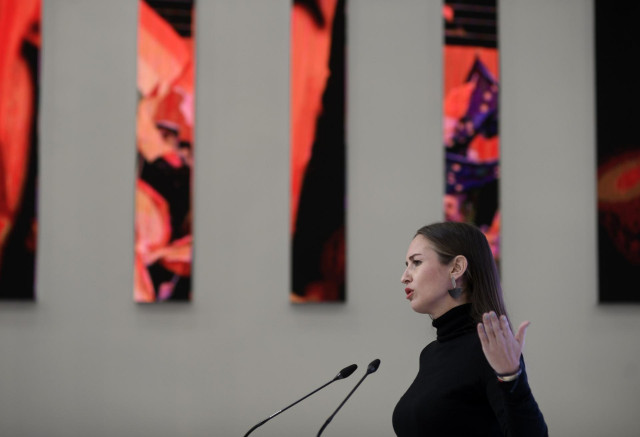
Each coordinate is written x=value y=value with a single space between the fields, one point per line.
x=455 y=291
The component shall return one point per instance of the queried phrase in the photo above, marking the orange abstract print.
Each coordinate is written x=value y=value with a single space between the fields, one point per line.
x=164 y=141
x=317 y=160
x=470 y=116
x=19 y=73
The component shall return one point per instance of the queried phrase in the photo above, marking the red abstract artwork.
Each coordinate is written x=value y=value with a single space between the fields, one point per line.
x=164 y=141
x=618 y=151
x=20 y=43
x=318 y=149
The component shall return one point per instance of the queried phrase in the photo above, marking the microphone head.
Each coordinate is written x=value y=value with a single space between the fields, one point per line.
x=347 y=371
x=373 y=366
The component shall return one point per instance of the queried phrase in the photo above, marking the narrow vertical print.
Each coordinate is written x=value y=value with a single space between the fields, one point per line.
x=618 y=151
x=20 y=42
x=318 y=151
x=164 y=142
x=470 y=121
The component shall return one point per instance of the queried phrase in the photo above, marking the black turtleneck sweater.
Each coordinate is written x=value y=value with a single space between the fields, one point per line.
x=457 y=393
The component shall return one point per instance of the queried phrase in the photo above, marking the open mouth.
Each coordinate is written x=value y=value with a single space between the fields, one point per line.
x=409 y=293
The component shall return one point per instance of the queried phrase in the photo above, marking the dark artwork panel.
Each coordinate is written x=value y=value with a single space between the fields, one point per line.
x=470 y=116
x=618 y=151
x=20 y=42
x=164 y=144
x=318 y=151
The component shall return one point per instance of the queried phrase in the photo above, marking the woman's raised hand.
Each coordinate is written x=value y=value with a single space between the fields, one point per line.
x=499 y=345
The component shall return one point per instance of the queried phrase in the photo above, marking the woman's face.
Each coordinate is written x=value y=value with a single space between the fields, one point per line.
x=426 y=280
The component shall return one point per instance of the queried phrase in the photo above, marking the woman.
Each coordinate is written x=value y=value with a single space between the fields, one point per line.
x=472 y=380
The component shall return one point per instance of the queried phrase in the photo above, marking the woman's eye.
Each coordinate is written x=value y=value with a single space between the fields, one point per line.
x=417 y=262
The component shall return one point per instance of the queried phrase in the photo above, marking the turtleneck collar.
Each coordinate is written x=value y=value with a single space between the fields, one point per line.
x=455 y=322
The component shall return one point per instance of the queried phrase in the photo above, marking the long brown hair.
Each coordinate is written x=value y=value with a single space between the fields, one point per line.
x=480 y=281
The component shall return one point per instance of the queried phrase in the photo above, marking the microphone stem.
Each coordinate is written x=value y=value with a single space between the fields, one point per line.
x=340 y=406
x=286 y=408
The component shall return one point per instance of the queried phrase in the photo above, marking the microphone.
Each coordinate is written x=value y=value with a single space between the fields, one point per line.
x=344 y=373
x=372 y=367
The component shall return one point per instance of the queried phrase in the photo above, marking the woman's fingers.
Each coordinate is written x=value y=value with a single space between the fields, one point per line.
x=504 y=324
x=488 y=327
x=499 y=345
x=483 y=335
x=495 y=324
x=522 y=331
x=495 y=327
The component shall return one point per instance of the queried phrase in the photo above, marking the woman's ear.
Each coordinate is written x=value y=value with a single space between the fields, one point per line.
x=458 y=266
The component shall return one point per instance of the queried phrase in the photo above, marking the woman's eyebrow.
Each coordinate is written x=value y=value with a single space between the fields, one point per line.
x=411 y=257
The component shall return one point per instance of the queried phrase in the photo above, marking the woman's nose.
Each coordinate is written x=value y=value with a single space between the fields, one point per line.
x=405 y=277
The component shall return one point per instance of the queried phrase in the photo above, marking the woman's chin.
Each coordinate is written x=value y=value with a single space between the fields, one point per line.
x=415 y=306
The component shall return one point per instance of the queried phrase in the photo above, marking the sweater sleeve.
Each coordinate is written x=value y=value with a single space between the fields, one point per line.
x=514 y=405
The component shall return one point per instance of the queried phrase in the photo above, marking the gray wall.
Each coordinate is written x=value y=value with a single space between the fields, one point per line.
x=85 y=360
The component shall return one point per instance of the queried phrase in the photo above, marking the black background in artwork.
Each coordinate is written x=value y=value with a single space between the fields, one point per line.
x=17 y=271
x=474 y=23
x=178 y=13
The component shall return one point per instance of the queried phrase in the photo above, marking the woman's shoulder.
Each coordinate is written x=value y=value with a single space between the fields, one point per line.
x=472 y=349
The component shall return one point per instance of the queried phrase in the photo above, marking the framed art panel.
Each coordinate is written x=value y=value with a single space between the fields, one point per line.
x=470 y=116
x=20 y=42
x=618 y=151
x=318 y=151
x=164 y=144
